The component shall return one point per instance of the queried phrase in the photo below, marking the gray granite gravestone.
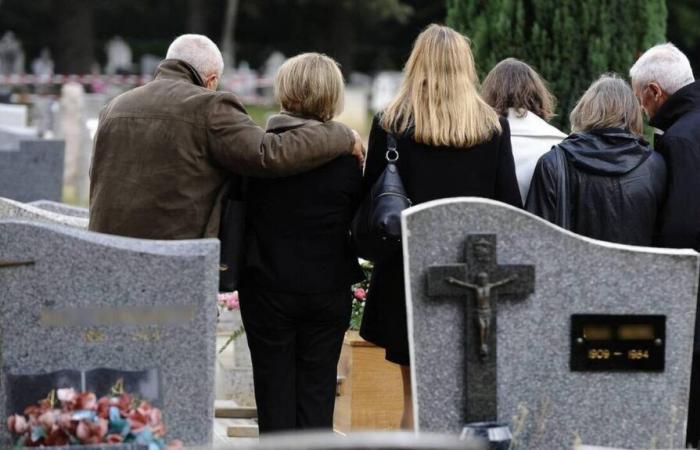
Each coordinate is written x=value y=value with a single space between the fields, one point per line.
x=10 y=209
x=556 y=382
x=88 y=310
x=10 y=137
x=61 y=208
x=33 y=171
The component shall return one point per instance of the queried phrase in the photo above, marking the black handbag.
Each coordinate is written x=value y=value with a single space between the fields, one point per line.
x=232 y=235
x=376 y=227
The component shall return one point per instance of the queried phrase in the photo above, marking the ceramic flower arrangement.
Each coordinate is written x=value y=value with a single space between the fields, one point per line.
x=359 y=295
x=70 y=418
x=228 y=301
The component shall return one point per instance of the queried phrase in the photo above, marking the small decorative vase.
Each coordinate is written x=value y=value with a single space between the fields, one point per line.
x=494 y=435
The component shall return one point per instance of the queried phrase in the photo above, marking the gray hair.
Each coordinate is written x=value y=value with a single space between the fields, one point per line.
x=665 y=65
x=608 y=103
x=200 y=52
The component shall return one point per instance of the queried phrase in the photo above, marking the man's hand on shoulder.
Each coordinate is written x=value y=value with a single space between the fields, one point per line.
x=358 y=149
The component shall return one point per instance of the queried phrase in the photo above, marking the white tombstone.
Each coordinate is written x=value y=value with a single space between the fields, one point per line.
x=119 y=57
x=14 y=115
x=43 y=65
x=384 y=88
x=273 y=64
x=11 y=55
x=246 y=80
x=74 y=130
x=149 y=63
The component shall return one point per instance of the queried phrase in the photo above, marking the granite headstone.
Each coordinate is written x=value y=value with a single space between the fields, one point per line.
x=14 y=115
x=32 y=171
x=11 y=136
x=61 y=208
x=549 y=401
x=10 y=209
x=89 y=310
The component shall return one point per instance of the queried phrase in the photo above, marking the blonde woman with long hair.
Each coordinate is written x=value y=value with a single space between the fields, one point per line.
x=450 y=144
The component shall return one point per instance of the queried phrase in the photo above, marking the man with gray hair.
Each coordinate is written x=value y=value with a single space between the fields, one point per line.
x=663 y=82
x=165 y=153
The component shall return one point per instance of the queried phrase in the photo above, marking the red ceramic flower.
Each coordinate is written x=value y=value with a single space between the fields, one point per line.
x=114 y=439
x=86 y=401
x=91 y=432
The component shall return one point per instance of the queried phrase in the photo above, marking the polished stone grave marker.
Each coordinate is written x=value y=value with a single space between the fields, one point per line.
x=10 y=209
x=32 y=171
x=597 y=350
x=61 y=208
x=92 y=311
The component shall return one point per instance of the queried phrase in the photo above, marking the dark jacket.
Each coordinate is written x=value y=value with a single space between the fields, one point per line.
x=429 y=173
x=297 y=227
x=616 y=185
x=679 y=119
x=164 y=151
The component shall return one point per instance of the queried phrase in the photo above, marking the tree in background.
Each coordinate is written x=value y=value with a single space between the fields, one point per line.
x=570 y=42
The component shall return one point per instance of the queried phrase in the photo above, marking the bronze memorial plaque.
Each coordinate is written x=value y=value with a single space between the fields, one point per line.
x=603 y=342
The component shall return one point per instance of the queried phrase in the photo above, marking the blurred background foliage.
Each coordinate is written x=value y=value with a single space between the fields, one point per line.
x=570 y=42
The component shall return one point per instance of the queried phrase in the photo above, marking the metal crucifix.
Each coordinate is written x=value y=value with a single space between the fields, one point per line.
x=472 y=281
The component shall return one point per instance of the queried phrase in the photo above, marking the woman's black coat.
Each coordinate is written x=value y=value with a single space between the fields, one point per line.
x=297 y=228
x=616 y=186
x=428 y=173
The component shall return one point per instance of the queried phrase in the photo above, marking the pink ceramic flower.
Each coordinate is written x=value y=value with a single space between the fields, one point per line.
x=17 y=424
x=229 y=300
x=360 y=294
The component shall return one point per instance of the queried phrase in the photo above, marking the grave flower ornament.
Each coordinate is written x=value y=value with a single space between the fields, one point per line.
x=67 y=417
x=229 y=301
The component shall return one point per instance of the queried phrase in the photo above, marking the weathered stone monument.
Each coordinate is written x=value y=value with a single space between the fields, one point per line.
x=568 y=339
x=32 y=171
x=91 y=311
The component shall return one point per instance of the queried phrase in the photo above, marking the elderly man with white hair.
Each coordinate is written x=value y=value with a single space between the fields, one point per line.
x=666 y=88
x=663 y=82
x=165 y=153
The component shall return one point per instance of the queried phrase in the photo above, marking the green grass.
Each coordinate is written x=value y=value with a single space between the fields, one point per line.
x=261 y=113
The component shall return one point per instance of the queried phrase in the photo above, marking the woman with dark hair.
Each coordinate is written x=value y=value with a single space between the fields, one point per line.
x=603 y=181
x=517 y=92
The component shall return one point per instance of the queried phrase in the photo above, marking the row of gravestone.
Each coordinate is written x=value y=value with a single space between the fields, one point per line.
x=568 y=339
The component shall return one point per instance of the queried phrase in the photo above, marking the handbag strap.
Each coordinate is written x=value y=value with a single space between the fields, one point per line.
x=563 y=214
x=392 y=152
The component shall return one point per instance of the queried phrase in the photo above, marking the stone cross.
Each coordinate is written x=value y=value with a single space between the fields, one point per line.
x=481 y=277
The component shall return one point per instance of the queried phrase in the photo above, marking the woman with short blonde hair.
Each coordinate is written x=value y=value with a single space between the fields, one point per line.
x=310 y=84
x=450 y=144
x=604 y=180
x=295 y=293
x=516 y=91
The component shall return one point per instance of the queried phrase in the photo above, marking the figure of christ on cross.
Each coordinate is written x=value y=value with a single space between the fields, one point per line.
x=482 y=289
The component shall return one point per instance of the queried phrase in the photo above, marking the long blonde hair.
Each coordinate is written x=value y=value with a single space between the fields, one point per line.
x=439 y=94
